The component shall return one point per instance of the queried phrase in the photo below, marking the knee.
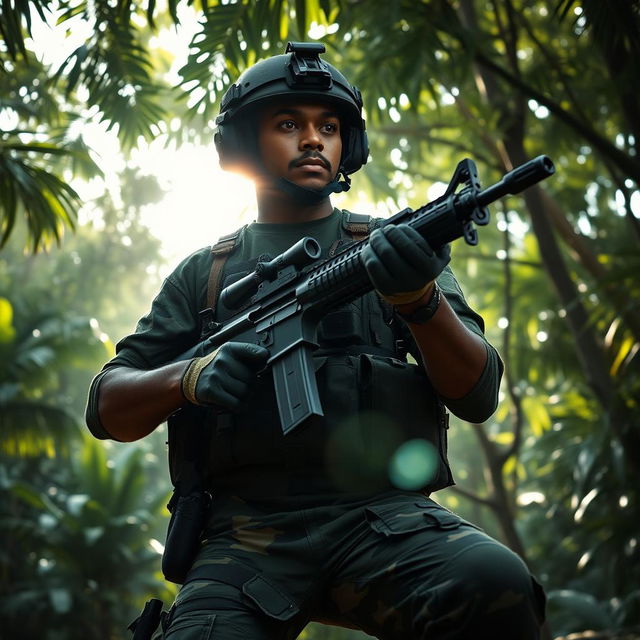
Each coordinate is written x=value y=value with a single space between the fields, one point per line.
x=491 y=569
x=503 y=599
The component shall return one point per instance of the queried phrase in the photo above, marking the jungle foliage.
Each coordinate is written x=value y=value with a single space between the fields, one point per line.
x=554 y=473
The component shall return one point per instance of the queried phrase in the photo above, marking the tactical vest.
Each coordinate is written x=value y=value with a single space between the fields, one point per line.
x=374 y=401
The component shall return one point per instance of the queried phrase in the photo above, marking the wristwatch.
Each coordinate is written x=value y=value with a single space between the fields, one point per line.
x=423 y=314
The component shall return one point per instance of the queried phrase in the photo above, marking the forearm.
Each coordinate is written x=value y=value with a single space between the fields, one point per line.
x=453 y=355
x=131 y=403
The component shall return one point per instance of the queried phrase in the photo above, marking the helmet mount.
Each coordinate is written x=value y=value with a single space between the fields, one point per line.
x=305 y=66
x=298 y=75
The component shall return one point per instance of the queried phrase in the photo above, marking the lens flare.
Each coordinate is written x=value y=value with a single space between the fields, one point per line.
x=413 y=465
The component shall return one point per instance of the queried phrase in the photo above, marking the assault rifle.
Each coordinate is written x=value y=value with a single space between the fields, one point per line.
x=280 y=304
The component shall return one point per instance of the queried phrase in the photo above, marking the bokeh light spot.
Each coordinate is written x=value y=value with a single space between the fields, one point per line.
x=413 y=465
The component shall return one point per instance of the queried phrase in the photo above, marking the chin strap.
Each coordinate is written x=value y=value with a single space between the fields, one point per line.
x=304 y=195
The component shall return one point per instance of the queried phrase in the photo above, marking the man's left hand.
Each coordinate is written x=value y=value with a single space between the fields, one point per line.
x=401 y=264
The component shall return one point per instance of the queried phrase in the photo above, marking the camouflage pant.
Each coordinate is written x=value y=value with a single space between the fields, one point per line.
x=398 y=567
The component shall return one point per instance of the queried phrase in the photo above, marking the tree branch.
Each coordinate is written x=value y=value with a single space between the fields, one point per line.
x=626 y=163
x=474 y=497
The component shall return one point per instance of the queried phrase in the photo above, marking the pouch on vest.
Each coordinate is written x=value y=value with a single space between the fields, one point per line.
x=342 y=326
x=374 y=405
x=400 y=394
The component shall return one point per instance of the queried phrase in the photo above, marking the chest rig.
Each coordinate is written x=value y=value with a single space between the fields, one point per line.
x=366 y=325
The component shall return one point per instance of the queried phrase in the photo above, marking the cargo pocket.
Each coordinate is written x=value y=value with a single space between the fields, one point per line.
x=210 y=597
x=195 y=625
x=393 y=519
x=273 y=602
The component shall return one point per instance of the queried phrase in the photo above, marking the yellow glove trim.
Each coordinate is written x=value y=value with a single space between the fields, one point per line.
x=192 y=373
x=407 y=297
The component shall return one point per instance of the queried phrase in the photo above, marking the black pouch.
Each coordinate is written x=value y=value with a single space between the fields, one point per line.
x=144 y=626
x=190 y=503
x=373 y=405
x=342 y=327
x=188 y=518
x=397 y=393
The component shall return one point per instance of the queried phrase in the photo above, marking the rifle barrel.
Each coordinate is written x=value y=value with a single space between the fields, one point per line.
x=518 y=179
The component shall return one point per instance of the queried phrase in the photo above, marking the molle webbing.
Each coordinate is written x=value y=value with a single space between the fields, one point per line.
x=357 y=225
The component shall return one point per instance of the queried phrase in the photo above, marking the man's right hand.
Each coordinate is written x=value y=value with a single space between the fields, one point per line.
x=223 y=378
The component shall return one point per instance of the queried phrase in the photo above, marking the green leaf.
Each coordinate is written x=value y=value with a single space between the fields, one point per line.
x=537 y=414
x=47 y=201
x=570 y=610
x=626 y=346
x=7 y=330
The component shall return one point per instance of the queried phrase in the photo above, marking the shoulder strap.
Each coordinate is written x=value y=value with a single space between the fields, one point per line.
x=221 y=251
x=357 y=226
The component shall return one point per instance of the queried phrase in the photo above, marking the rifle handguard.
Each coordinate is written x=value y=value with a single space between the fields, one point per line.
x=192 y=374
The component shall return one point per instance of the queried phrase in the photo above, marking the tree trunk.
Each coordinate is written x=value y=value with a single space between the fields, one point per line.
x=499 y=499
x=589 y=350
x=587 y=258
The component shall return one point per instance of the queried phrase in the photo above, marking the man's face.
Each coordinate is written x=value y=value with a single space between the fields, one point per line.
x=301 y=142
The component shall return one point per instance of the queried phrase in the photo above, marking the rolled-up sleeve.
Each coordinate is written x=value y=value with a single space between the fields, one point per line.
x=479 y=404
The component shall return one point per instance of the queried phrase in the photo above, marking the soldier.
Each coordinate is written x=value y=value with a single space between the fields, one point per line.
x=312 y=525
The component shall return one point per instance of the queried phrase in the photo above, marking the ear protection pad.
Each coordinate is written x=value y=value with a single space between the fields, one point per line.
x=234 y=142
x=227 y=145
x=356 y=150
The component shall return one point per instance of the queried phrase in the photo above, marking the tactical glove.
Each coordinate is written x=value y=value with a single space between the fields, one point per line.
x=401 y=264
x=223 y=378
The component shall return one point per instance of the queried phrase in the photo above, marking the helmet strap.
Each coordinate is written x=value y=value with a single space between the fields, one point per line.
x=306 y=196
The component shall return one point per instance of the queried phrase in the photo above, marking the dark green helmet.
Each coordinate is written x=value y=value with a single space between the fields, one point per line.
x=298 y=74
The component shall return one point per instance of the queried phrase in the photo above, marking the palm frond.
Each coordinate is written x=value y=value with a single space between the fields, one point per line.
x=15 y=21
x=48 y=202
x=216 y=56
x=78 y=156
x=116 y=70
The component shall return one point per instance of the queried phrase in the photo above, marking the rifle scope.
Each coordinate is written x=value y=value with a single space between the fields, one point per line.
x=302 y=253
